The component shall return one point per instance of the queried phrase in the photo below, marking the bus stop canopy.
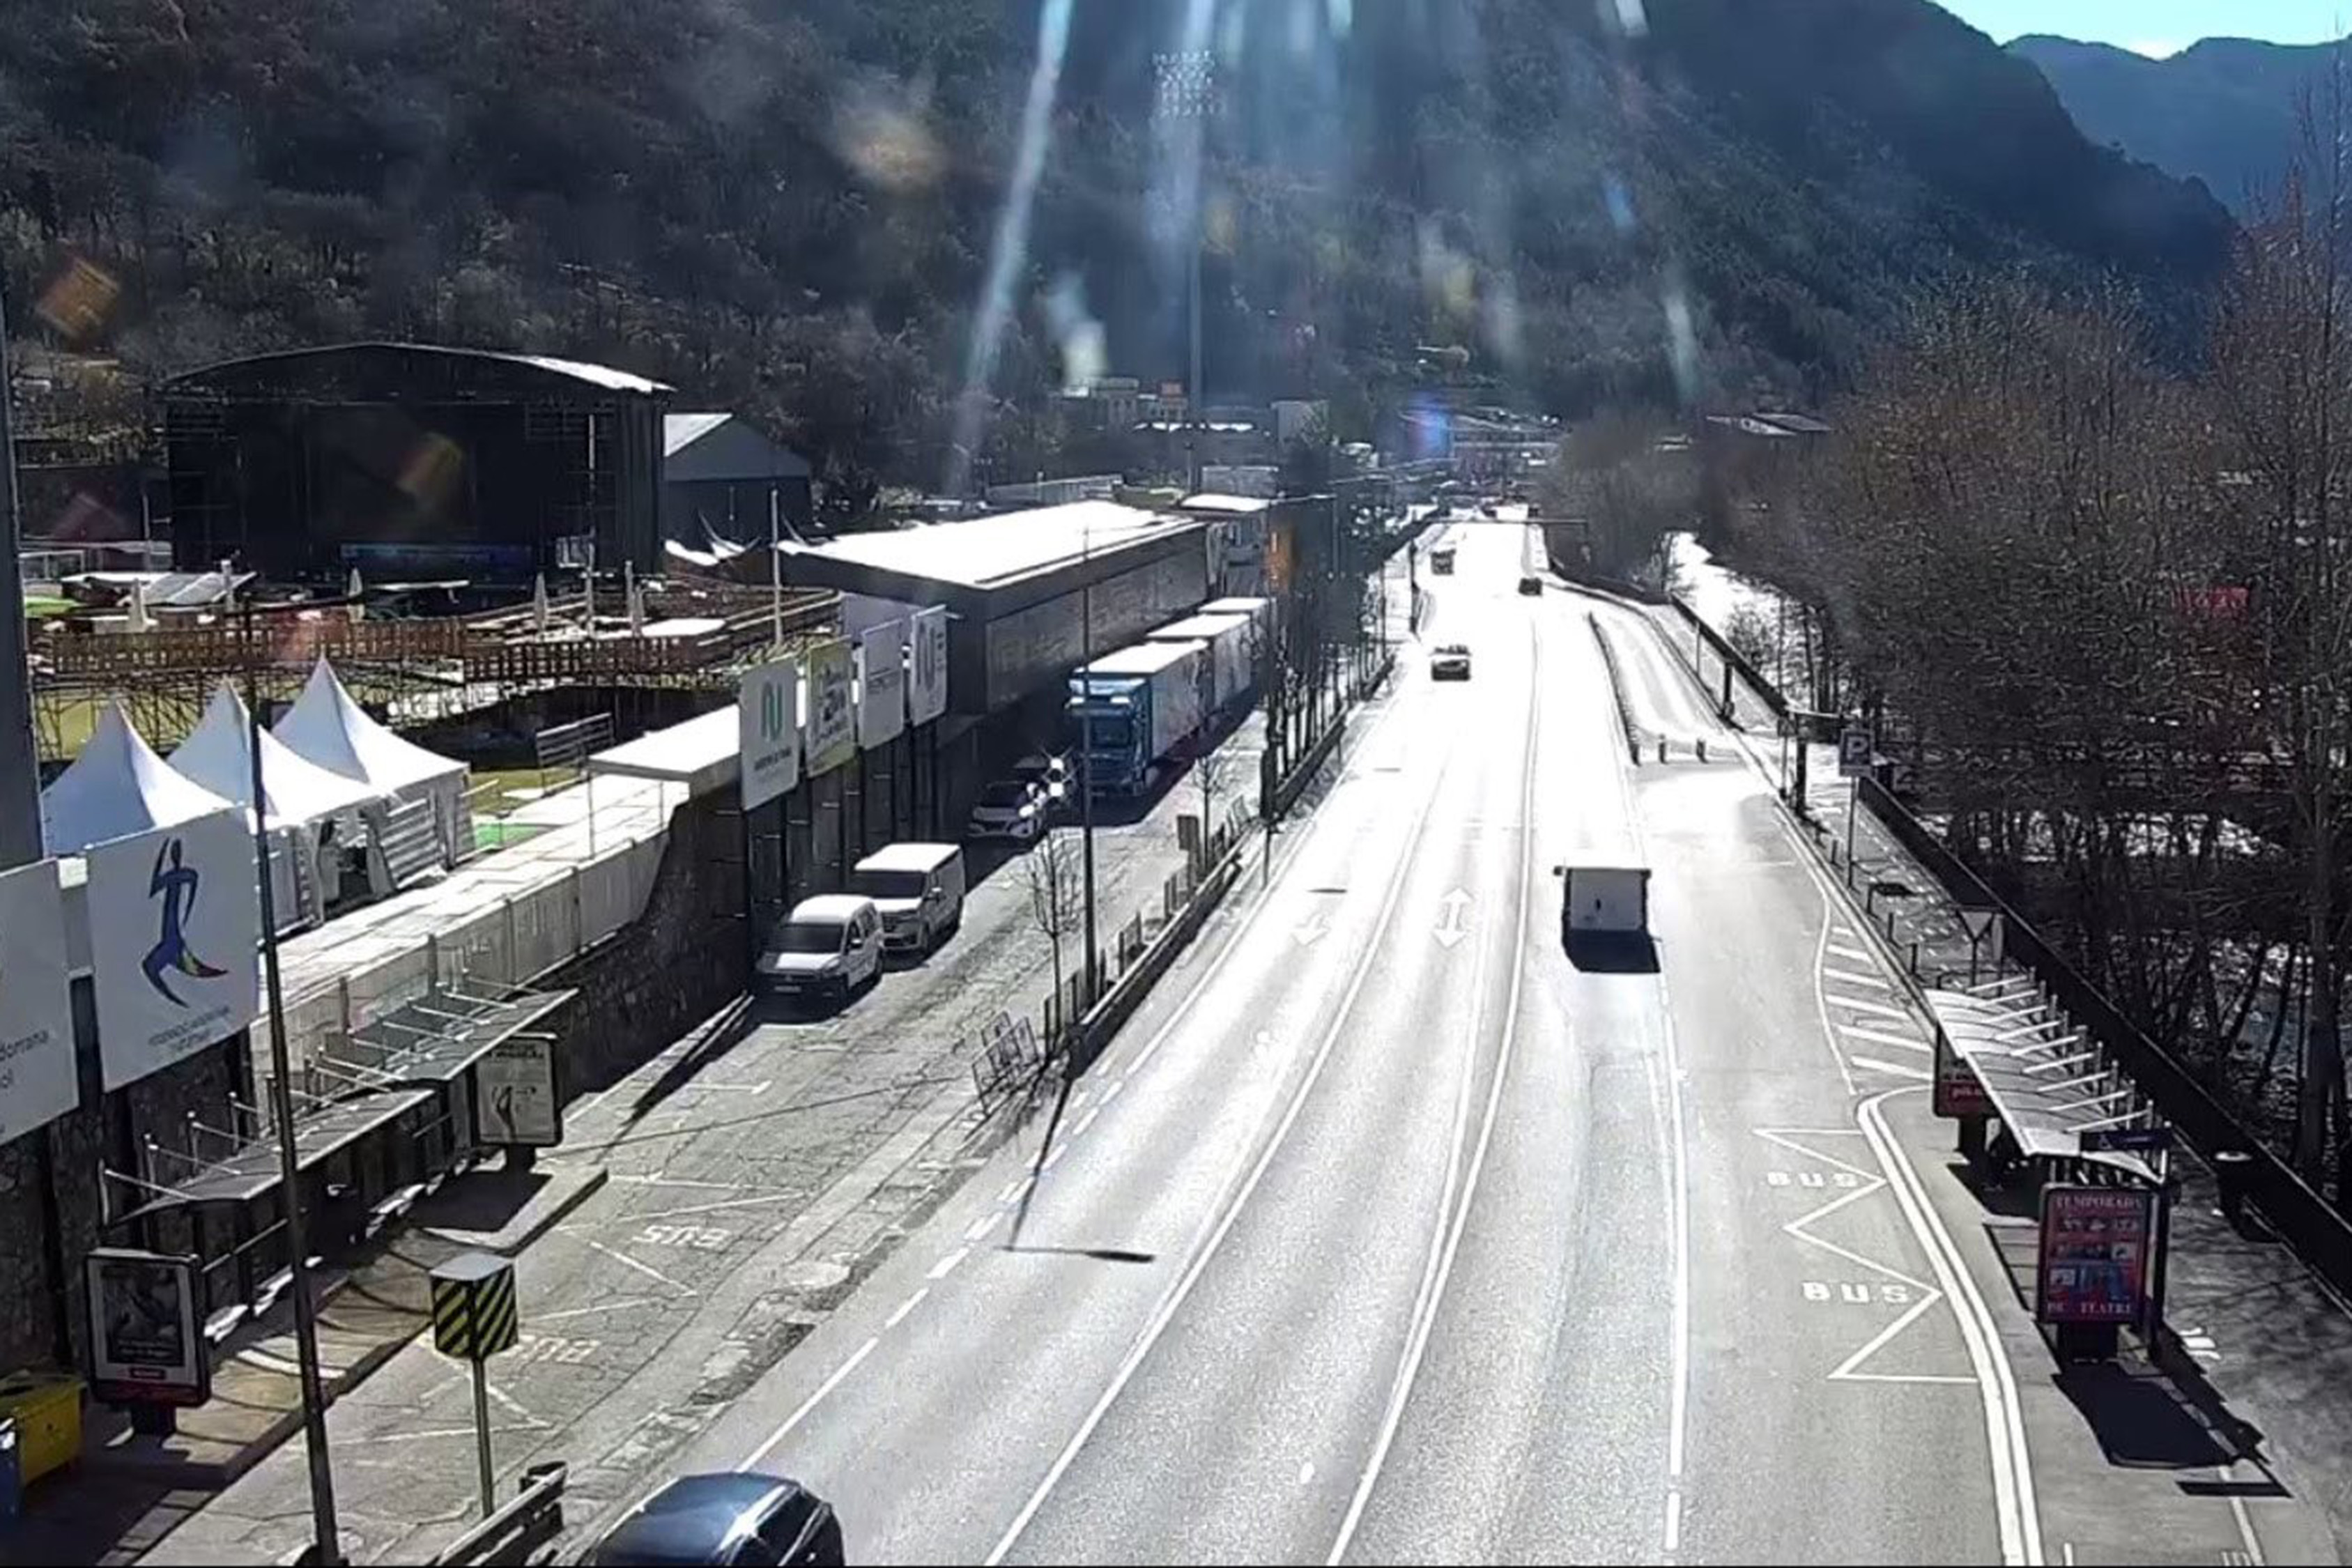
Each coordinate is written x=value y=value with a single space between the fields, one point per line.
x=2048 y=1083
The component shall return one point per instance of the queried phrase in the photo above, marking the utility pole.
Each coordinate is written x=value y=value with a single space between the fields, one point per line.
x=20 y=787
x=775 y=570
x=327 y=1545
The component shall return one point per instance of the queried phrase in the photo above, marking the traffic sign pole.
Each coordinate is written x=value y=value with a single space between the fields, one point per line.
x=482 y=1435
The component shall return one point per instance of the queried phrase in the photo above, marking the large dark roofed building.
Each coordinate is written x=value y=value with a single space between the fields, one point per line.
x=404 y=459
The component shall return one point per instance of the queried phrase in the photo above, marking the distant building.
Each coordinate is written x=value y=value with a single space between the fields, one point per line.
x=406 y=459
x=719 y=475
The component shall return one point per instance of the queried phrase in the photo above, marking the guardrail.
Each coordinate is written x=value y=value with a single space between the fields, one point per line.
x=1766 y=693
x=520 y=1530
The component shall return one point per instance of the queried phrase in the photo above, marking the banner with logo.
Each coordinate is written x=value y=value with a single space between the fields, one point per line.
x=174 y=921
x=832 y=711
x=927 y=666
x=882 y=705
x=37 y=1083
x=767 y=710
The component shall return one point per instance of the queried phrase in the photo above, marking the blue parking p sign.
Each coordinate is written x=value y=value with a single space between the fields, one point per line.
x=1855 y=751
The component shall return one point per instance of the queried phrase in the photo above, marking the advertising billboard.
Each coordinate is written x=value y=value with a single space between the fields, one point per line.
x=882 y=705
x=832 y=707
x=1956 y=1093
x=514 y=1094
x=767 y=708
x=927 y=666
x=174 y=929
x=37 y=1083
x=2094 y=1254
x=144 y=1343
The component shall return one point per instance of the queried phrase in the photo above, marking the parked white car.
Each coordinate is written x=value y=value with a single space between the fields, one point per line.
x=828 y=946
x=1009 y=809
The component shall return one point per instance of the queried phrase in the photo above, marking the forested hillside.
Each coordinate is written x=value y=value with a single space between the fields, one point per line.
x=787 y=205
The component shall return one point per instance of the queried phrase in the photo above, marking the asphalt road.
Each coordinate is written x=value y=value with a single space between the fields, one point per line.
x=1385 y=1232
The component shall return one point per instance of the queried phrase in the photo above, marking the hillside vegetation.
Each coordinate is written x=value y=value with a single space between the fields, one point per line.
x=787 y=206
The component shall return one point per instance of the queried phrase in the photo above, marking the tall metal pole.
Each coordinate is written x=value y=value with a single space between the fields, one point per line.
x=775 y=570
x=328 y=1546
x=20 y=778
x=1086 y=739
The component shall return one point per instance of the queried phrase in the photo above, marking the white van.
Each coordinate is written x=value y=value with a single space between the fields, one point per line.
x=918 y=887
x=828 y=946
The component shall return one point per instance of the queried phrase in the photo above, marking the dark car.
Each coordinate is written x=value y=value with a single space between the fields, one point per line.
x=740 y=1517
x=1530 y=583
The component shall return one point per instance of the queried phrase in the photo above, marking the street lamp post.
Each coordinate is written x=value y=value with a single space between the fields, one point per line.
x=327 y=1545
x=1087 y=737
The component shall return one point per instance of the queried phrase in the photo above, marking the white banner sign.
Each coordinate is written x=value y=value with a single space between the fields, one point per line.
x=831 y=710
x=882 y=706
x=767 y=707
x=927 y=666
x=37 y=1044
x=175 y=917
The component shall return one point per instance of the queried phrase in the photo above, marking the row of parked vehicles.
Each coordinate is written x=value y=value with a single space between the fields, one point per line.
x=905 y=898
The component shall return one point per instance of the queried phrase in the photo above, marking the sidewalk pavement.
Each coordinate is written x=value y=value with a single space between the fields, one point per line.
x=753 y=1173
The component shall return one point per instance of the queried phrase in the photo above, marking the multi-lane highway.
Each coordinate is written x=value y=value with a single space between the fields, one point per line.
x=1386 y=1232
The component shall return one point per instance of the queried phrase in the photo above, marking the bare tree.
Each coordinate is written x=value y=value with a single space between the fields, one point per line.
x=1632 y=487
x=2283 y=377
x=1055 y=870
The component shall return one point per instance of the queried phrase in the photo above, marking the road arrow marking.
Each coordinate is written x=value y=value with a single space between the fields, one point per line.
x=1308 y=930
x=1450 y=930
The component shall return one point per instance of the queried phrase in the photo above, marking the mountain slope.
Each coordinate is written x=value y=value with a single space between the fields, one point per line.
x=2223 y=110
x=787 y=206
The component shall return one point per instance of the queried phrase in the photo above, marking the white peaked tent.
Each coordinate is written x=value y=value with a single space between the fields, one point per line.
x=328 y=727
x=116 y=787
x=298 y=791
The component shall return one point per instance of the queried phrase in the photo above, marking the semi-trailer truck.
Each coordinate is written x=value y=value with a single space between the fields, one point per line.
x=1232 y=658
x=1130 y=711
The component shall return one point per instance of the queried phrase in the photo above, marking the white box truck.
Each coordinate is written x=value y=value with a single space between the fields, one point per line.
x=1604 y=900
x=1232 y=669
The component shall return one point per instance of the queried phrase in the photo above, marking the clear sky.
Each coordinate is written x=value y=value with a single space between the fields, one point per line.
x=2159 y=28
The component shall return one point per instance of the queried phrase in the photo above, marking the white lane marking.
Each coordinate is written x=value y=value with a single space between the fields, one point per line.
x=1678 y=1396
x=1844 y=1372
x=1897 y=1069
x=654 y=1214
x=2245 y=1525
x=1846 y=931
x=1054 y=1158
x=1084 y=1123
x=1829 y=1038
x=1848 y=977
x=1173 y=1302
x=1306 y=1472
x=2013 y=1463
x=1674 y=1519
x=624 y=1302
x=1447 y=1239
x=647 y=1270
x=1860 y=1005
x=905 y=1307
x=982 y=1225
x=947 y=1266
x=1852 y=954
x=797 y=1416
x=1110 y=1091
x=1011 y=1189
x=1884 y=1038
x=635 y=1180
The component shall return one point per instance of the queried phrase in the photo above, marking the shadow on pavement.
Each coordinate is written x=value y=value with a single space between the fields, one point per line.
x=2140 y=1421
x=1611 y=953
x=722 y=1034
x=1101 y=1254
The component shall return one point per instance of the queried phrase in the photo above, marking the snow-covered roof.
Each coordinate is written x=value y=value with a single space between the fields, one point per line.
x=116 y=787
x=329 y=728
x=215 y=755
x=685 y=430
